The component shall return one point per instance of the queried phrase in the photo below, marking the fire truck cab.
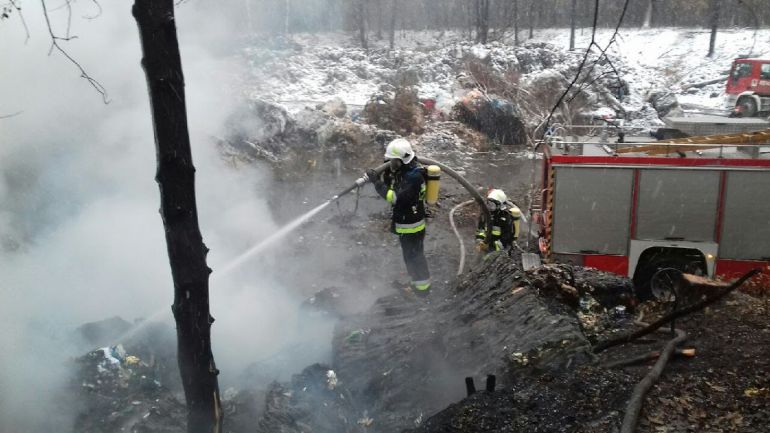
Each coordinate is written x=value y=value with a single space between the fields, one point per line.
x=634 y=209
x=748 y=87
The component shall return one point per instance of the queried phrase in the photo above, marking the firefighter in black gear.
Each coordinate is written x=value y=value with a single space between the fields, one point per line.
x=504 y=226
x=403 y=186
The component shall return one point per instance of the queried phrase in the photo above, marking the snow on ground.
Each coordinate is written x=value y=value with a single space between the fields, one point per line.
x=313 y=68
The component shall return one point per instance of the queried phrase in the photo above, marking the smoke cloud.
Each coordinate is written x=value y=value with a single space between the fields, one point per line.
x=80 y=234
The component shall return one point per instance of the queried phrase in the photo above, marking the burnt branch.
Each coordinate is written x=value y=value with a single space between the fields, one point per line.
x=55 y=46
x=634 y=406
x=668 y=318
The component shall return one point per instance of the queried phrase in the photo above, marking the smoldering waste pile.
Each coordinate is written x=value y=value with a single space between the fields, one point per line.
x=403 y=361
x=406 y=359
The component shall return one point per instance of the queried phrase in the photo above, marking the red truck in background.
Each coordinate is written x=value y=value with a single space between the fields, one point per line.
x=748 y=87
x=705 y=211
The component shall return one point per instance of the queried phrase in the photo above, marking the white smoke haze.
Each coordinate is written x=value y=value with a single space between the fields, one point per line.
x=80 y=234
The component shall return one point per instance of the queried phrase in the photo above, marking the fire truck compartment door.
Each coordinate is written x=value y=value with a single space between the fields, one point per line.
x=592 y=209
x=677 y=205
x=746 y=222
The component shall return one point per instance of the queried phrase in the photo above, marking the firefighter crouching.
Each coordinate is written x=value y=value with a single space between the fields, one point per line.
x=402 y=184
x=504 y=229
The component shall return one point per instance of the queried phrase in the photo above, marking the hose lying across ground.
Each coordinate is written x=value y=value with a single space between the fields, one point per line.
x=634 y=407
x=457 y=233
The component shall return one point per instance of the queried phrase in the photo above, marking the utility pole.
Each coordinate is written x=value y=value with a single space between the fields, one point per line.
x=176 y=179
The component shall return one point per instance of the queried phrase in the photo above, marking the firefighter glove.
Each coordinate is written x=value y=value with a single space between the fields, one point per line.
x=371 y=176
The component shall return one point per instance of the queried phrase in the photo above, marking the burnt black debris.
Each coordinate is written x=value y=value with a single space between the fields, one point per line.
x=406 y=358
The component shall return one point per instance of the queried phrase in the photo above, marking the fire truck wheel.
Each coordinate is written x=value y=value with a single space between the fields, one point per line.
x=649 y=267
x=747 y=107
x=664 y=283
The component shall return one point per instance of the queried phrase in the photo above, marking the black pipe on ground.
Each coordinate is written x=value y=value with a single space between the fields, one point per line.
x=470 y=387
x=491 y=382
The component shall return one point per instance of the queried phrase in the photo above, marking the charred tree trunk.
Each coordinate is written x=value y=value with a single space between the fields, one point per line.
x=572 y=25
x=176 y=179
x=715 y=7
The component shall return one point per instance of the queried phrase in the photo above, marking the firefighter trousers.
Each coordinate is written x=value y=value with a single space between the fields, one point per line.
x=414 y=258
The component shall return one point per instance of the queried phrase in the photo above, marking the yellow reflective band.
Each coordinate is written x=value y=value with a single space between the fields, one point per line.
x=481 y=235
x=496 y=232
x=421 y=285
x=390 y=196
x=410 y=228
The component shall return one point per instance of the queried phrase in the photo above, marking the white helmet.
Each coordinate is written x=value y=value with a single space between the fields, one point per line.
x=497 y=196
x=400 y=148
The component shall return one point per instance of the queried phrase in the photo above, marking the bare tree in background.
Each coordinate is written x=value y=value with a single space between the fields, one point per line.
x=392 y=29
x=715 y=8
x=378 y=13
x=287 y=16
x=360 y=19
x=515 y=22
x=531 y=18
x=176 y=179
x=573 y=10
x=482 y=20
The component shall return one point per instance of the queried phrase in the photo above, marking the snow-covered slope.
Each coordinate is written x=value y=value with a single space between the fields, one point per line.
x=312 y=68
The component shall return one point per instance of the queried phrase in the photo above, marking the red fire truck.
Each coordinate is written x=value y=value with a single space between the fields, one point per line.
x=702 y=209
x=748 y=87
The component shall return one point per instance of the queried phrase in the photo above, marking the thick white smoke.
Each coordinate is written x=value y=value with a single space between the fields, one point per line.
x=80 y=234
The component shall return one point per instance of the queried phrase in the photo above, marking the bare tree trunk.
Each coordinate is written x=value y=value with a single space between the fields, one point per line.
x=515 y=22
x=647 y=15
x=361 y=21
x=654 y=13
x=379 y=19
x=572 y=25
x=393 y=15
x=176 y=179
x=287 y=15
x=531 y=17
x=715 y=6
x=249 y=20
x=482 y=20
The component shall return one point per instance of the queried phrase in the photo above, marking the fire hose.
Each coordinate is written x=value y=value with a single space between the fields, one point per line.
x=453 y=174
